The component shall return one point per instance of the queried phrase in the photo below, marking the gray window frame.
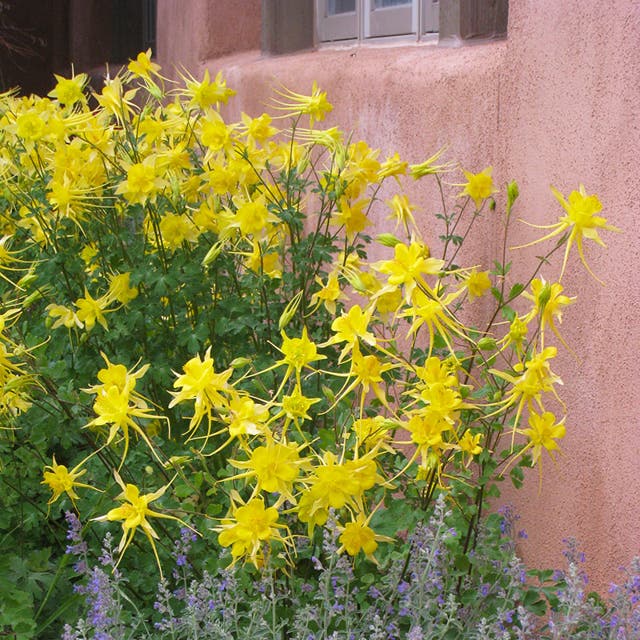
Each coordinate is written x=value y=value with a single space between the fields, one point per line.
x=292 y=25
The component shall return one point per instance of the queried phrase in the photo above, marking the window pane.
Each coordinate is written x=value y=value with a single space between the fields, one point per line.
x=381 y=4
x=335 y=7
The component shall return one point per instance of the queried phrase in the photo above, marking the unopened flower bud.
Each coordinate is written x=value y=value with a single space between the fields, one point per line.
x=544 y=296
x=289 y=311
x=512 y=194
x=388 y=239
x=212 y=254
x=236 y=363
x=486 y=344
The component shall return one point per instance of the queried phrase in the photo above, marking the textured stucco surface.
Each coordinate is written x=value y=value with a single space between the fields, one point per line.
x=556 y=103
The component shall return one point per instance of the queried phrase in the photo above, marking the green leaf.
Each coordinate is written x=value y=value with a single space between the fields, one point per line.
x=508 y=313
x=516 y=290
x=462 y=563
x=534 y=603
x=517 y=476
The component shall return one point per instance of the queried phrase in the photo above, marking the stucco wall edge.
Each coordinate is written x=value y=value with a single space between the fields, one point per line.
x=423 y=64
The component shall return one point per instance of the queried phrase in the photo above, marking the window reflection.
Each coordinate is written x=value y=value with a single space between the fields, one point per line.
x=381 y=4
x=335 y=7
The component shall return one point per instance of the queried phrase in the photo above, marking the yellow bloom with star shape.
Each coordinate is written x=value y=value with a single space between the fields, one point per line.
x=69 y=91
x=248 y=528
x=357 y=536
x=207 y=388
x=548 y=303
x=315 y=105
x=477 y=283
x=61 y=480
x=479 y=186
x=118 y=406
x=134 y=513
x=543 y=432
x=581 y=221
x=298 y=353
x=275 y=467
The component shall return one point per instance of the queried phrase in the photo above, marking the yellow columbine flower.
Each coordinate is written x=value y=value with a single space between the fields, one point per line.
x=426 y=431
x=116 y=102
x=409 y=264
x=534 y=377
x=215 y=134
x=262 y=261
x=366 y=372
x=429 y=167
x=335 y=484
x=436 y=370
x=392 y=166
x=207 y=388
x=298 y=353
x=329 y=293
x=275 y=467
x=581 y=221
x=401 y=210
x=62 y=480
x=91 y=310
x=358 y=536
x=207 y=94
x=120 y=289
x=117 y=408
x=176 y=230
x=119 y=376
x=352 y=216
x=143 y=67
x=469 y=444
x=350 y=328
x=142 y=183
x=442 y=401
x=518 y=330
x=315 y=105
x=253 y=218
x=548 y=303
x=479 y=186
x=258 y=129
x=30 y=126
x=134 y=513
x=432 y=310
x=543 y=433
x=68 y=91
x=64 y=317
x=295 y=407
x=477 y=283
x=373 y=433
x=117 y=403
x=249 y=527
x=244 y=417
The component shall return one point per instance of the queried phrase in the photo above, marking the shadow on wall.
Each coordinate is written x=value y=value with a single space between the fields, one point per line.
x=38 y=39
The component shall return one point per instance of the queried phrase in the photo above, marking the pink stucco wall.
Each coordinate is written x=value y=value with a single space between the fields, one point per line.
x=557 y=103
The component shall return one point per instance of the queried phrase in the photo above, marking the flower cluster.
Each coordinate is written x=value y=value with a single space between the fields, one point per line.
x=258 y=356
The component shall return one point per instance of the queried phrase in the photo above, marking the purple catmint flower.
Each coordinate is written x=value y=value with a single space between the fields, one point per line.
x=78 y=546
x=74 y=532
x=374 y=592
x=415 y=633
